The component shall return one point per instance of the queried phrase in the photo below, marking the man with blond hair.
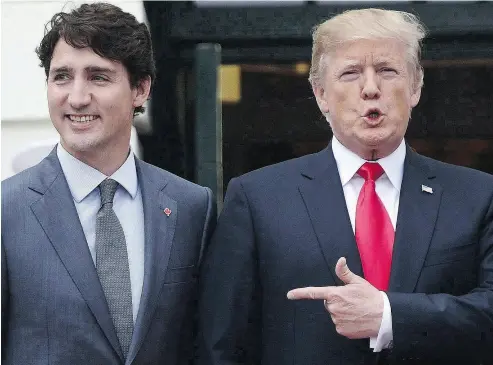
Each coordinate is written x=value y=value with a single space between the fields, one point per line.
x=363 y=253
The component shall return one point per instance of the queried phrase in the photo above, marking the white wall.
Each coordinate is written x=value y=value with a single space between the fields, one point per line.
x=24 y=111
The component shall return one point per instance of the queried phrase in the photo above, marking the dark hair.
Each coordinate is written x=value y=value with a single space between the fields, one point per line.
x=109 y=32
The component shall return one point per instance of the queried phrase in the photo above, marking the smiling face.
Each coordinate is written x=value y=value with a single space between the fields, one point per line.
x=368 y=91
x=91 y=102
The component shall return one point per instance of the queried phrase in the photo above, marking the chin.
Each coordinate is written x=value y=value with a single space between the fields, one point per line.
x=79 y=145
x=377 y=137
x=374 y=143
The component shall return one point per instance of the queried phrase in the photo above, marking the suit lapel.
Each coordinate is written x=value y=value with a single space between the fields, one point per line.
x=56 y=213
x=418 y=211
x=159 y=232
x=323 y=195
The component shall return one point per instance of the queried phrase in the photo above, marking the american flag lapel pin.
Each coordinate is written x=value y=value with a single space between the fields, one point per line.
x=426 y=189
x=167 y=211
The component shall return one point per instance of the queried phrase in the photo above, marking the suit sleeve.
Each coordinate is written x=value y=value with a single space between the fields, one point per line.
x=442 y=325
x=209 y=223
x=229 y=297
x=5 y=301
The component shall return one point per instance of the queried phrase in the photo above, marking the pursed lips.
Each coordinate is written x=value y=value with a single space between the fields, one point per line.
x=373 y=113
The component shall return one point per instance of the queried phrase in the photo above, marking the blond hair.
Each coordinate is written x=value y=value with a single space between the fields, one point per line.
x=367 y=24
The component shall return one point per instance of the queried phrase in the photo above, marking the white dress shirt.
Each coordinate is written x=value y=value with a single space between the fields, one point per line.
x=83 y=181
x=388 y=188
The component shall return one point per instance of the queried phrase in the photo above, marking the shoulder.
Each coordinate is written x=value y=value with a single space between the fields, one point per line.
x=457 y=175
x=460 y=186
x=281 y=179
x=20 y=191
x=16 y=186
x=176 y=186
x=292 y=169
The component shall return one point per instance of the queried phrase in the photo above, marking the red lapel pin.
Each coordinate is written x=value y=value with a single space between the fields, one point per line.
x=167 y=211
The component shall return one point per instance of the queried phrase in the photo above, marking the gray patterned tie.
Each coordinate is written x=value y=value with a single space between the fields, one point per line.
x=112 y=265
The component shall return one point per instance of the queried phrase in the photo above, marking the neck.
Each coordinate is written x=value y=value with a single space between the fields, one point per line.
x=106 y=162
x=374 y=155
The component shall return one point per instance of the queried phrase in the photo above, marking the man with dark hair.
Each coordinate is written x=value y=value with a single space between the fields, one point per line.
x=99 y=249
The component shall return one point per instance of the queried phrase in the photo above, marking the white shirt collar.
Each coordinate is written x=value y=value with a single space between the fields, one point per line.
x=82 y=179
x=348 y=163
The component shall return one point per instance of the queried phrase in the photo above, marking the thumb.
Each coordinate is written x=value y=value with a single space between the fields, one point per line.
x=346 y=275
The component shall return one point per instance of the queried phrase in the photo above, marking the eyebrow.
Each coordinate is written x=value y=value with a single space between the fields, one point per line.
x=88 y=69
x=60 y=70
x=384 y=63
x=353 y=63
x=99 y=69
x=350 y=63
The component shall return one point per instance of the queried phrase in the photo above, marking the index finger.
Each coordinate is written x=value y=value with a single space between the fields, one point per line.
x=311 y=292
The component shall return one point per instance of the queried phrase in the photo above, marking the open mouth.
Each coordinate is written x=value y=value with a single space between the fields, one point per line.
x=82 y=118
x=373 y=114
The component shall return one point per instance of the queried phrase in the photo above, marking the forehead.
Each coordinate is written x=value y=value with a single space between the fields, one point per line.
x=64 y=55
x=369 y=52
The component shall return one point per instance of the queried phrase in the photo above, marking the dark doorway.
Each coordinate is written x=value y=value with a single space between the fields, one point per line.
x=276 y=116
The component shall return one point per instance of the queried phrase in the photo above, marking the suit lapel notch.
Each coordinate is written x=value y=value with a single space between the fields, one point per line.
x=323 y=196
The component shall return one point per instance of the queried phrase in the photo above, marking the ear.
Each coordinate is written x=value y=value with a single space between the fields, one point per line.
x=321 y=97
x=415 y=97
x=142 y=92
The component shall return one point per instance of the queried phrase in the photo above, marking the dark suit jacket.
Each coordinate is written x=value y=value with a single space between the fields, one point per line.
x=53 y=307
x=285 y=226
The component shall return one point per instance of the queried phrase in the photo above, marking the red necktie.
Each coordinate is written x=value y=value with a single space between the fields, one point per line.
x=374 y=231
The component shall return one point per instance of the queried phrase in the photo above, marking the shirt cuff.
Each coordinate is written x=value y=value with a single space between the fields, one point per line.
x=385 y=335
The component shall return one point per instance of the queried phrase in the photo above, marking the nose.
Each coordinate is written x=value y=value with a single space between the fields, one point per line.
x=79 y=95
x=371 y=85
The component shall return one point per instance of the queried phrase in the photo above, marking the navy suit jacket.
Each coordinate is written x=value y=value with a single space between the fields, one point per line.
x=53 y=306
x=285 y=226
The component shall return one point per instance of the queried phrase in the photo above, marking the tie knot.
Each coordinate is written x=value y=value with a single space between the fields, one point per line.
x=370 y=171
x=107 y=189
